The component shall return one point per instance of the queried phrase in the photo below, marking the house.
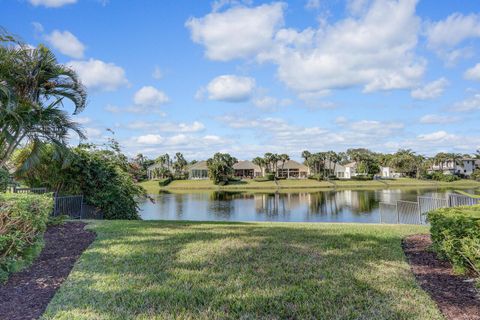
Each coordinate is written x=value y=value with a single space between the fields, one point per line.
x=292 y=169
x=389 y=173
x=247 y=169
x=463 y=166
x=198 y=170
x=152 y=171
x=346 y=171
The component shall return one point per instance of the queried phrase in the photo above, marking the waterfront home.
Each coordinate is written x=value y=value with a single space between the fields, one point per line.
x=461 y=167
x=247 y=169
x=346 y=171
x=198 y=171
x=389 y=173
x=154 y=169
x=292 y=169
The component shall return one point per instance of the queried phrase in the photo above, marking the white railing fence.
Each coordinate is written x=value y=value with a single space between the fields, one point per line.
x=410 y=212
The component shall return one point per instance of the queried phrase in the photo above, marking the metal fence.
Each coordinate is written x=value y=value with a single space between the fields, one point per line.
x=29 y=190
x=410 y=212
x=75 y=208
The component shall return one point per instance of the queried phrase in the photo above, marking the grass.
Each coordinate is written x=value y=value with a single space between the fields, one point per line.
x=200 y=270
x=152 y=187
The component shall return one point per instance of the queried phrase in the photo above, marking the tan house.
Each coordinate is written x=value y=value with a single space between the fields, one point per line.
x=247 y=169
x=198 y=171
x=292 y=169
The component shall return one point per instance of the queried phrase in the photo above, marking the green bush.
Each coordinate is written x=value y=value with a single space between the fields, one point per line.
x=456 y=236
x=4 y=179
x=440 y=176
x=270 y=176
x=164 y=182
x=23 y=219
x=261 y=179
x=363 y=177
x=318 y=177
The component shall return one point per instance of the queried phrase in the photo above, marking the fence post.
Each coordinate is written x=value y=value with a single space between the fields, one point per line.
x=81 y=207
x=398 y=214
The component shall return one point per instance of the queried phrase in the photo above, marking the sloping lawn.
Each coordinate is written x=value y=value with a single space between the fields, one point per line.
x=187 y=270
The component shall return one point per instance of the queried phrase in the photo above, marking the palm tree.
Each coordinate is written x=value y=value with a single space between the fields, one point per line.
x=259 y=162
x=283 y=158
x=33 y=87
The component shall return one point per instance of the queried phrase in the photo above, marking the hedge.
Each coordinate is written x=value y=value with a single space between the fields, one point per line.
x=23 y=220
x=164 y=182
x=456 y=236
x=4 y=179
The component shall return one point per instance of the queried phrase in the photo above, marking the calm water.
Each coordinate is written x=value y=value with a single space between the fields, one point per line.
x=319 y=206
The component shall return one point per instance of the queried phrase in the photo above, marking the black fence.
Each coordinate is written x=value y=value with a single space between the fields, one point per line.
x=75 y=208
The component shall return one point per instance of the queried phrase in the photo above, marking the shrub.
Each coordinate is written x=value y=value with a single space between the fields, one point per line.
x=456 y=236
x=270 y=176
x=318 y=177
x=261 y=179
x=164 y=182
x=4 y=180
x=363 y=177
x=23 y=220
x=440 y=176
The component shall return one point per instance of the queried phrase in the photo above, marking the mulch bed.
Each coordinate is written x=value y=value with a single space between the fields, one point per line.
x=26 y=294
x=455 y=295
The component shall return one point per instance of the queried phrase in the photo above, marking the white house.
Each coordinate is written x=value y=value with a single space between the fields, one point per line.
x=464 y=166
x=388 y=172
x=346 y=171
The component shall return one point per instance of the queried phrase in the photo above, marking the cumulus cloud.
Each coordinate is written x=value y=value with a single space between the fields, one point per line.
x=453 y=30
x=149 y=96
x=150 y=139
x=468 y=104
x=473 y=73
x=373 y=48
x=445 y=36
x=92 y=133
x=229 y=88
x=431 y=90
x=66 y=43
x=239 y=32
x=195 y=126
x=437 y=136
x=99 y=75
x=51 y=3
x=270 y=103
x=438 y=119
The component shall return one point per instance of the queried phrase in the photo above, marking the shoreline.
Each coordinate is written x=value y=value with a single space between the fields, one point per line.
x=152 y=186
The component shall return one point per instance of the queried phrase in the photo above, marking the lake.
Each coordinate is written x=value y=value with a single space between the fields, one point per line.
x=318 y=206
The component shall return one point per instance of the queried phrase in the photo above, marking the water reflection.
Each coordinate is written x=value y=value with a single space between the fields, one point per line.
x=333 y=206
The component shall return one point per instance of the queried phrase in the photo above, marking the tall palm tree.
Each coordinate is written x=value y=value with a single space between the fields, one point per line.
x=33 y=87
x=259 y=162
x=283 y=158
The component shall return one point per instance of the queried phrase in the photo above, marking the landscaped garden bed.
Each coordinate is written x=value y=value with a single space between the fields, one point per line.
x=456 y=295
x=27 y=293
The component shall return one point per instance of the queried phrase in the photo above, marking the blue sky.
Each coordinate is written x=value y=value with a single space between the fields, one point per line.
x=249 y=77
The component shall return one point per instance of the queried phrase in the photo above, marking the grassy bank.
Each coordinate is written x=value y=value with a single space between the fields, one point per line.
x=152 y=186
x=188 y=270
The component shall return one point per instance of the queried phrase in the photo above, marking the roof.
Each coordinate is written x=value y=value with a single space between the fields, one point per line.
x=201 y=165
x=350 y=165
x=245 y=165
x=292 y=164
x=156 y=165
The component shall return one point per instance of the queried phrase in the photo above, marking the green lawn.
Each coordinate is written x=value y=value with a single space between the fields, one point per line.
x=152 y=187
x=195 y=270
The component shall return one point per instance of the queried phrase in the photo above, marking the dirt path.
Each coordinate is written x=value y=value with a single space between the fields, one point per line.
x=27 y=293
x=455 y=295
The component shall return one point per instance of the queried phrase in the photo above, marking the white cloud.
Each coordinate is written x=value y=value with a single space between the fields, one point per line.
x=473 y=73
x=195 y=126
x=468 y=104
x=374 y=50
x=150 y=139
x=157 y=73
x=149 y=96
x=312 y=4
x=230 y=88
x=455 y=29
x=92 y=133
x=437 y=136
x=82 y=120
x=66 y=43
x=99 y=75
x=239 y=32
x=438 y=119
x=373 y=47
x=52 y=3
x=431 y=90
x=444 y=37
x=270 y=103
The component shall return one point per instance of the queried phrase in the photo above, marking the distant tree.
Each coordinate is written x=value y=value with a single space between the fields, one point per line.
x=220 y=167
x=179 y=164
x=259 y=162
x=283 y=158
